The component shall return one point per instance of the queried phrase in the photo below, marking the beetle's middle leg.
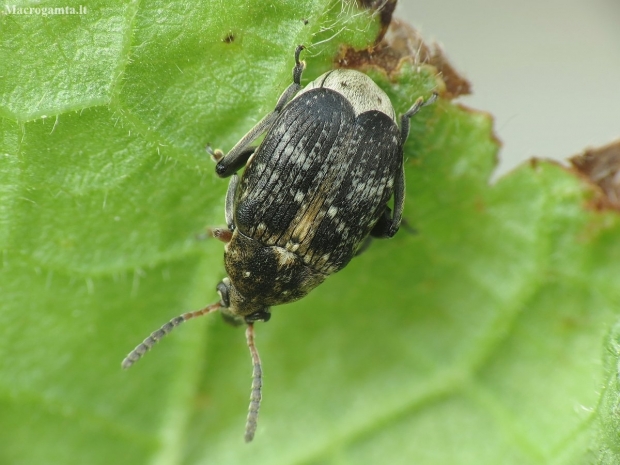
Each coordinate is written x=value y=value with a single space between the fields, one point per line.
x=225 y=234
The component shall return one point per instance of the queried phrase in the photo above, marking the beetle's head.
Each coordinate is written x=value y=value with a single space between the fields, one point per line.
x=236 y=309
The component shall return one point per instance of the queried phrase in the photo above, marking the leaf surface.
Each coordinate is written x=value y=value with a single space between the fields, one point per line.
x=481 y=339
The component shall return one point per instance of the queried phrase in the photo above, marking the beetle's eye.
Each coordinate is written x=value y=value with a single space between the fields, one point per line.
x=222 y=290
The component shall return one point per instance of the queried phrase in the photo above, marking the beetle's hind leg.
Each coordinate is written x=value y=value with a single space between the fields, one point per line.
x=382 y=230
x=386 y=227
x=389 y=222
x=241 y=152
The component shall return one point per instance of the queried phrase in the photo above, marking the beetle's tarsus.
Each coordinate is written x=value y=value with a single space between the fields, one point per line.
x=299 y=66
x=221 y=234
x=216 y=155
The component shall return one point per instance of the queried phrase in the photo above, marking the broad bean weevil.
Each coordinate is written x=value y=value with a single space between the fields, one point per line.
x=313 y=193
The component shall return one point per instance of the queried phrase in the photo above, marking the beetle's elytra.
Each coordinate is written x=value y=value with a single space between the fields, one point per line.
x=312 y=194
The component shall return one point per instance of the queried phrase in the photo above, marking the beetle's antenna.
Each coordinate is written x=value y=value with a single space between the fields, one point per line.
x=150 y=341
x=257 y=384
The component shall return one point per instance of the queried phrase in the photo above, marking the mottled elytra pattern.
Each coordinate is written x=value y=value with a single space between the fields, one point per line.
x=320 y=179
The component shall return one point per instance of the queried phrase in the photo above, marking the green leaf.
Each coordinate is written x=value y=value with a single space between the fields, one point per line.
x=482 y=339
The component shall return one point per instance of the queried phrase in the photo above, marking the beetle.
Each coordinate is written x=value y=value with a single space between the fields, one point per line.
x=312 y=195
